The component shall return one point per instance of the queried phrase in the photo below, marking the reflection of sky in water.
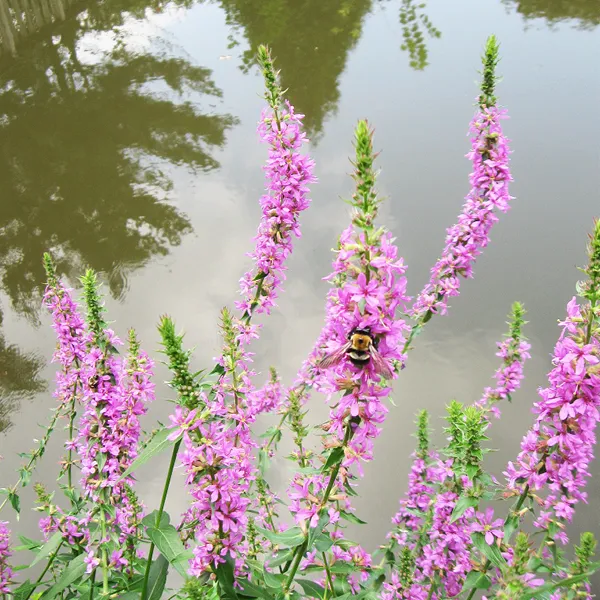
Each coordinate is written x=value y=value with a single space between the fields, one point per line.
x=421 y=120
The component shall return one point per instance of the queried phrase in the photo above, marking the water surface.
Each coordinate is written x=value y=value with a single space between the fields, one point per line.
x=127 y=134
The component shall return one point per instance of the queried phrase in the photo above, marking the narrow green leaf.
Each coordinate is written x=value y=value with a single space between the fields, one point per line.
x=48 y=548
x=225 y=579
x=280 y=558
x=263 y=461
x=464 y=502
x=342 y=568
x=169 y=543
x=71 y=573
x=335 y=457
x=15 y=502
x=314 y=533
x=351 y=518
x=29 y=544
x=511 y=525
x=492 y=553
x=563 y=583
x=289 y=538
x=345 y=544
x=157 y=578
x=323 y=542
x=272 y=580
x=254 y=591
x=150 y=520
x=312 y=589
x=477 y=580
x=157 y=444
x=217 y=370
x=272 y=431
x=23 y=590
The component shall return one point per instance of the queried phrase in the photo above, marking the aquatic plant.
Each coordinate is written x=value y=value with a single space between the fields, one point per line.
x=451 y=536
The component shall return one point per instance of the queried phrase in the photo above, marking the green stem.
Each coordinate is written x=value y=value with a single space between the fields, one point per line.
x=301 y=549
x=329 y=576
x=104 y=554
x=43 y=573
x=298 y=554
x=337 y=467
x=72 y=413
x=277 y=429
x=38 y=452
x=431 y=590
x=159 y=516
x=92 y=581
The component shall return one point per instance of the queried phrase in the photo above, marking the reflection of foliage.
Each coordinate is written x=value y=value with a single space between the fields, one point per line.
x=311 y=41
x=412 y=19
x=18 y=379
x=586 y=12
x=81 y=153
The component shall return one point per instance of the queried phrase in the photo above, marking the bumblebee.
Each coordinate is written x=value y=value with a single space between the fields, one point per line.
x=360 y=350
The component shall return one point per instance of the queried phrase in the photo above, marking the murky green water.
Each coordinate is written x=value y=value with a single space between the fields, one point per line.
x=127 y=139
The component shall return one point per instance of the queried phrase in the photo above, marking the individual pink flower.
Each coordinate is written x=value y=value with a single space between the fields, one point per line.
x=485 y=523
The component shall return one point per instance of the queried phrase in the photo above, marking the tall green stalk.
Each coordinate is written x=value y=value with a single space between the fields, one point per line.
x=159 y=514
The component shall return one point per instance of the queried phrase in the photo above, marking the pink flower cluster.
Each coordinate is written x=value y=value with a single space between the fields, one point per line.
x=508 y=376
x=394 y=589
x=557 y=450
x=355 y=556
x=447 y=549
x=466 y=239
x=369 y=289
x=288 y=174
x=73 y=530
x=114 y=395
x=6 y=572
x=219 y=473
x=425 y=474
x=71 y=334
x=219 y=456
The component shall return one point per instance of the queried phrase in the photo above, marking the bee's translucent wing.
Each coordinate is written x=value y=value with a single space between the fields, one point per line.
x=334 y=357
x=380 y=365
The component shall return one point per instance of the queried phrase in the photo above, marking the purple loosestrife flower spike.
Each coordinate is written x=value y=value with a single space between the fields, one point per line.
x=514 y=351
x=369 y=289
x=218 y=460
x=70 y=331
x=466 y=240
x=409 y=518
x=288 y=174
x=221 y=488
x=6 y=572
x=445 y=557
x=557 y=450
x=115 y=395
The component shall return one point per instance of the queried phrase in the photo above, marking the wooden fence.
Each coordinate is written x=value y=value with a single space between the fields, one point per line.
x=22 y=18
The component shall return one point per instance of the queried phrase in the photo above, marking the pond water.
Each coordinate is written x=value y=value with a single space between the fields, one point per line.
x=127 y=133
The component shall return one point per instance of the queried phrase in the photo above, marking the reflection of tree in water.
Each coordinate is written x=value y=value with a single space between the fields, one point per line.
x=85 y=156
x=83 y=148
x=412 y=19
x=19 y=378
x=586 y=12
x=310 y=39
